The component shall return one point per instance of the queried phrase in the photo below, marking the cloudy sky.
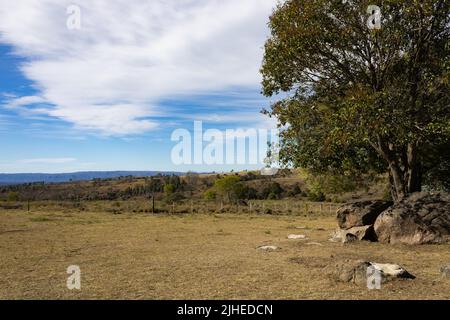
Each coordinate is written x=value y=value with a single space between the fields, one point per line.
x=108 y=95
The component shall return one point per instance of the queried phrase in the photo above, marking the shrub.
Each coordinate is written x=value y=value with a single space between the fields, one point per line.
x=229 y=187
x=210 y=195
x=169 y=189
x=273 y=189
x=272 y=196
x=13 y=196
x=315 y=193
x=174 y=197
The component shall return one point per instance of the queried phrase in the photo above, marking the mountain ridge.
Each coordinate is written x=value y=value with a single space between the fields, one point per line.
x=19 y=178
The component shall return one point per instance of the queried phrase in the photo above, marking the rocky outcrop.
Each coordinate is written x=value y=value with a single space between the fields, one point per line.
x=422 y=218
x=360 y=214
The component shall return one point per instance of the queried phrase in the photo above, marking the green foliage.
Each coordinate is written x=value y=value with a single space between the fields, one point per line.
x=210 y=194
x=437 y=169
x=272 y=191
x=360 y=100
x=272 y=196
x=335 y=183
x=169 y=189
x=13 y=196
x=316 y=193
x=230 y=188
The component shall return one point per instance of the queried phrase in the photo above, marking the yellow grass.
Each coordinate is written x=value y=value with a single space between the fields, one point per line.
x=141 y=256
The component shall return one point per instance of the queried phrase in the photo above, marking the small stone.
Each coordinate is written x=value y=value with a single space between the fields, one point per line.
x=314 y=244
x=296 y=236
x=268 y=248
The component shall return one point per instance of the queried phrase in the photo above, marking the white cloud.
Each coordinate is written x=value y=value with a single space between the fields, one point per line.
x=47 y=160
x=128 y=55
x=15 y=102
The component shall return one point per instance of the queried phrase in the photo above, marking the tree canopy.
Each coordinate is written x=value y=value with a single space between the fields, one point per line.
x=356 y=98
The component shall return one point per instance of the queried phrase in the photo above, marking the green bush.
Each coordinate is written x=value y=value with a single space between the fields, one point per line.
x=272 y=196
x=315 y=192
x=229 y=188
x=210 y=195
x=169 y=189
x=13 y=196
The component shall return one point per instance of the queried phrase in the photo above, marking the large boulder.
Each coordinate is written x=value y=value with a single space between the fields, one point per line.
x=421 y=218
x=360 y=214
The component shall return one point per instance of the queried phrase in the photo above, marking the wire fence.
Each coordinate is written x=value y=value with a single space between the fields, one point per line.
x=256 y=207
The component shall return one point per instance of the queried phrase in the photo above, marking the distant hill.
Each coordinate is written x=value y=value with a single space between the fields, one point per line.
x=19 y=178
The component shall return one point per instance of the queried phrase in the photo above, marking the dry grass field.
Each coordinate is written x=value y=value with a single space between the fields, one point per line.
x=200 y=256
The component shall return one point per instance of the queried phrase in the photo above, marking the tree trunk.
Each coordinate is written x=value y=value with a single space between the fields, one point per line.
x=398 y=186
x=405 y=178
x=414 y=171
x=404 y=168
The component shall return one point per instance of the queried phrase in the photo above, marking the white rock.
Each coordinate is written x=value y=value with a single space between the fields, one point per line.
x=296 y=236
x=268 y=248
x=314 y=244
x=393 y=270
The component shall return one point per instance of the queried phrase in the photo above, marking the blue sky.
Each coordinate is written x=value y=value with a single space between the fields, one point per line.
x=108 y=96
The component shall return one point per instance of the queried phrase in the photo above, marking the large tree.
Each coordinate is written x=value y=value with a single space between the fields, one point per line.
x=357 y=96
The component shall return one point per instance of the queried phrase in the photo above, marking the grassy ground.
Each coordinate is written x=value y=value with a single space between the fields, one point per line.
x=142 y=256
